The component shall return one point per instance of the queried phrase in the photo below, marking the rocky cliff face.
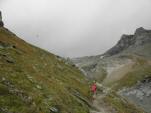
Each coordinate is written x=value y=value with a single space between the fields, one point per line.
x=140 y=37
x=123 y=43
x=139 y=94
x=1 y=22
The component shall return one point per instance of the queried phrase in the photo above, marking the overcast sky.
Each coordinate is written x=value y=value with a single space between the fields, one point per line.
x=73 y=28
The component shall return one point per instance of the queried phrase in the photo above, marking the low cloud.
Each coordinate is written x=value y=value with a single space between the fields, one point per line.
x=73 y=28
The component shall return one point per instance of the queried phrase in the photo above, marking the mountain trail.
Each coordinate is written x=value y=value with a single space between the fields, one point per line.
x=100 y=105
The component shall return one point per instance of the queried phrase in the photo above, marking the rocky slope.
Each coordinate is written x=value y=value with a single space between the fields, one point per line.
x=139 y=94
x=128 y=62
x=125 y=42
x=33 y=80
x=140 y=38
x=129 y=49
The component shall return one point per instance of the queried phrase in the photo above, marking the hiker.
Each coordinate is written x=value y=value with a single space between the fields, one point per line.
x=94 y=89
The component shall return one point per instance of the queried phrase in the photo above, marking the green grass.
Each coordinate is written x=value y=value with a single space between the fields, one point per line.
x=120 y=104
x=101 y=75
x=33 y=80
x=140 y=71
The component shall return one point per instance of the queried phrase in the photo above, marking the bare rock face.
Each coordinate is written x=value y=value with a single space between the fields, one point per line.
x=140 y=94
x=123 y=43
x=140 y=37
x=1 y=22
x=141 y=30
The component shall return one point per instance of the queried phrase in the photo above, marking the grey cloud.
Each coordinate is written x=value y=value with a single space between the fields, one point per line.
x=75 y=27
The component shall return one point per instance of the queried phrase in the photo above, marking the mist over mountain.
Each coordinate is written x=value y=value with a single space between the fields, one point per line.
x=75 y=28
x=32 y=80
x=42 y=68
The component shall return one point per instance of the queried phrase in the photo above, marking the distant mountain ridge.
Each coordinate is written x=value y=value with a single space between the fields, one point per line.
x=140 y=37
x=138 y=44
x=123 y=66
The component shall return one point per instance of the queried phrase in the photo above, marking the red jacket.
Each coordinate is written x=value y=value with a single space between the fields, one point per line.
x=93 y=88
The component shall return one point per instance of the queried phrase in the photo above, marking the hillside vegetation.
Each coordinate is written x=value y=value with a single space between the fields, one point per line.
x=35 y=81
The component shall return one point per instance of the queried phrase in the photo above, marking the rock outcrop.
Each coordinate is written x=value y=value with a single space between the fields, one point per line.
x=140 y=37
x=140 y=94
x=123 y=43
x=1 y=22
x=141 y=31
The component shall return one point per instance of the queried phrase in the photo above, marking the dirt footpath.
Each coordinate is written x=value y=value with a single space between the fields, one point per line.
x=100 y=105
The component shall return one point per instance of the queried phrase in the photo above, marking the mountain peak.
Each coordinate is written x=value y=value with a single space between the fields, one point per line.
x=123 y=43
x=140 y=37
x=141 y=30
x=1 y=22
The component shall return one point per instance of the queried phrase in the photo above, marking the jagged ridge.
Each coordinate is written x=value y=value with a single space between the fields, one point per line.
x=140 y=37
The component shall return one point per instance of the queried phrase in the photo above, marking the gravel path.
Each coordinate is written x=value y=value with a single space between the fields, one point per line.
x=100 y=105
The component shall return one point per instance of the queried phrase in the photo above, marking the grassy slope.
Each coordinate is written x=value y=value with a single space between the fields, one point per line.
x=140 y=70
x=121 y=105
x=33 y=80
